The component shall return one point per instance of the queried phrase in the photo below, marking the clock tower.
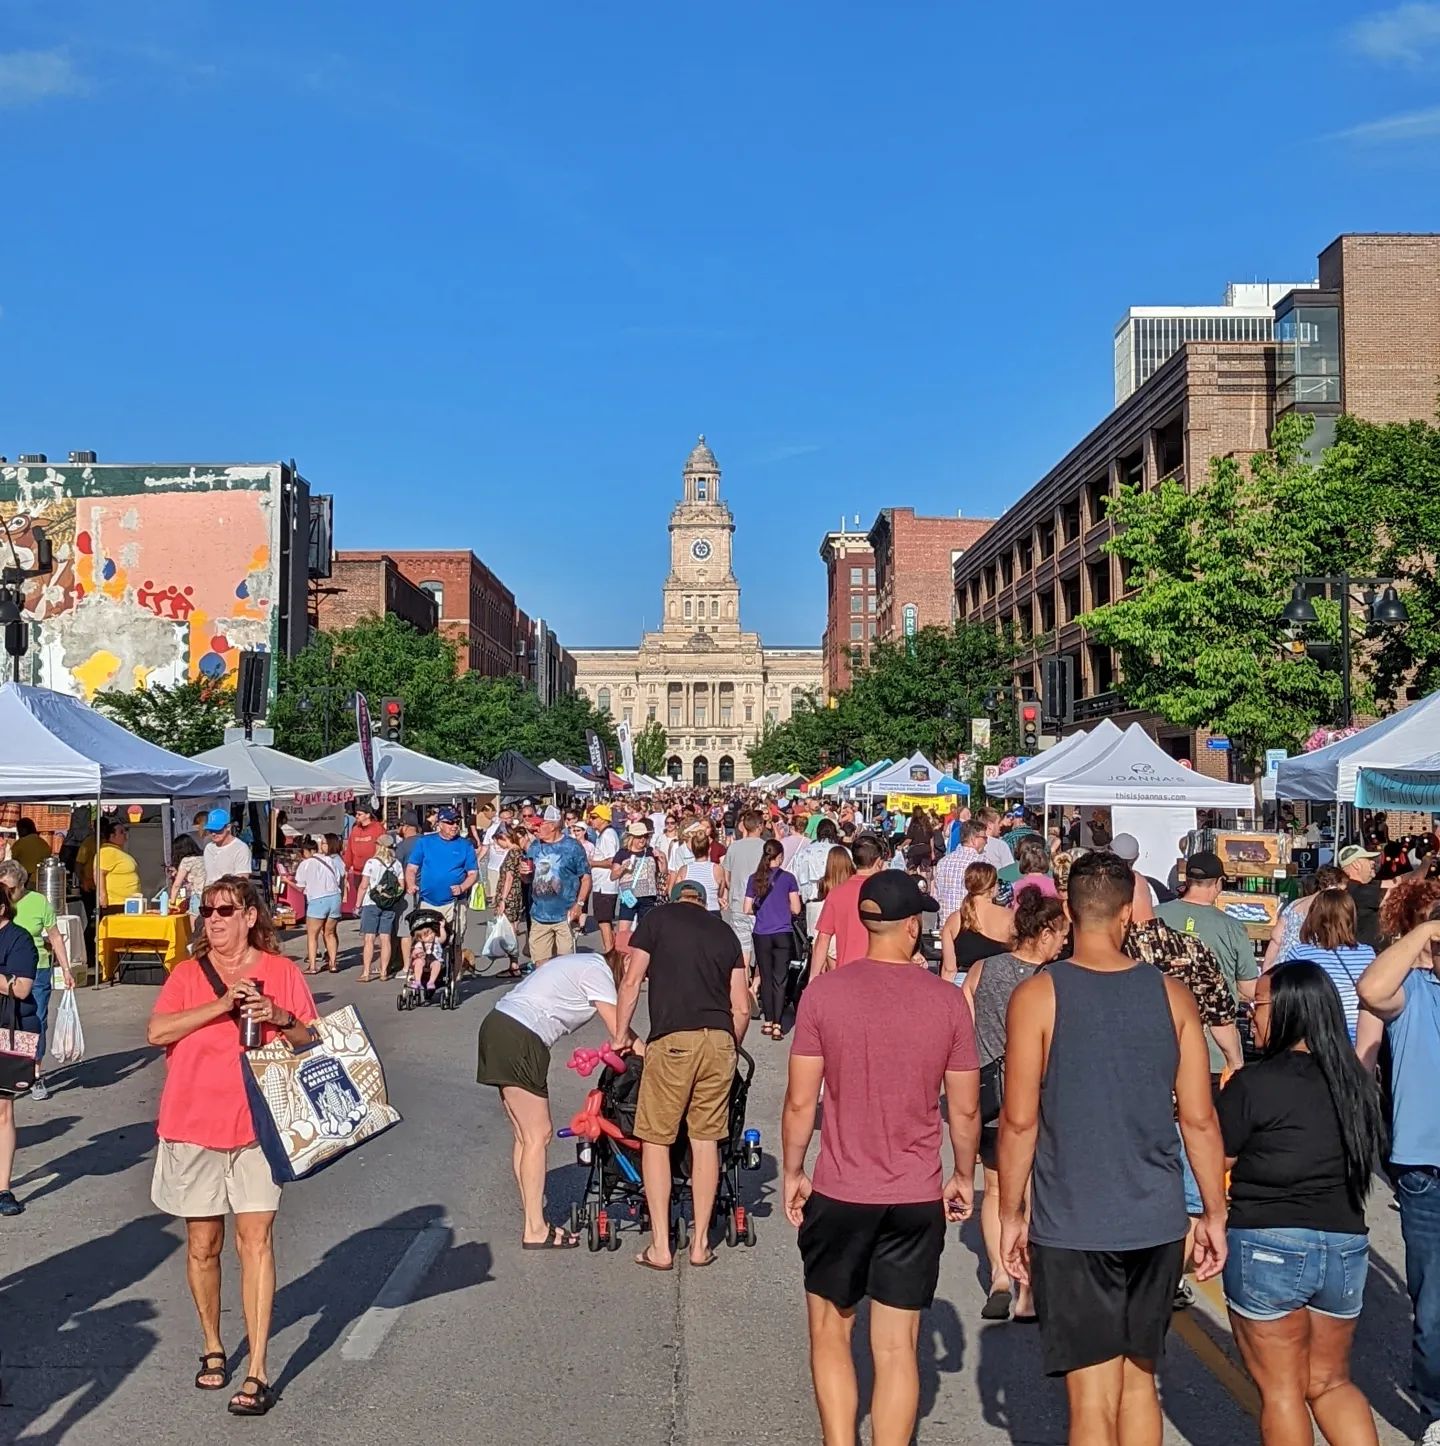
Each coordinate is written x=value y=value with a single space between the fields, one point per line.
x=701 y=594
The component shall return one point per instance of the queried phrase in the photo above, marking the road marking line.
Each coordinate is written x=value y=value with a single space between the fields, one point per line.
x=368 y=1333
x=1212 y=1355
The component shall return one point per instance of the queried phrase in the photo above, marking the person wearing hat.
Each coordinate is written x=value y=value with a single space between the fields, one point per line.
x=559 y=888
x=225 y=855
x=699 y=1004
x=604 y=891
x=639 y=872
x=1198 y=914
x=443 y=867
x=360 y=842
x=382 y=893
x=884 y=1037
x=1126 y=846
x=1358 y=865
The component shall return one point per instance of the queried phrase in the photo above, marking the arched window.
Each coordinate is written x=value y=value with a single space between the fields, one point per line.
x=700 y=771
x=436 y=590
x=727 y=769
x=797 y=697
x=602 y=700
x=674 y=768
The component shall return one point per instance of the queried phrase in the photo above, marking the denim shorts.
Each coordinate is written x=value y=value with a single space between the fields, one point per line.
x=325 y=907
x=1194 y=1205
x=375 y=920
x=1270 y=1273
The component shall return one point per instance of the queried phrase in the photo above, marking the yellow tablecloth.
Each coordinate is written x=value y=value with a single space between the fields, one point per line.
x=167 y=932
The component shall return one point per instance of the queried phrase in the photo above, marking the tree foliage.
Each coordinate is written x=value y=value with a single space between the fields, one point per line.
x=651 y=747
x=467 y=719
x=918 y=695
x=1201 y=639
x=187 y=718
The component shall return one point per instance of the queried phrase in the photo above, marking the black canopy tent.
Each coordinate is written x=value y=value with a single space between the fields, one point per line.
x=519 y=778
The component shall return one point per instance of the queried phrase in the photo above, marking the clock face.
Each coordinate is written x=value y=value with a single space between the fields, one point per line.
x=700 y=549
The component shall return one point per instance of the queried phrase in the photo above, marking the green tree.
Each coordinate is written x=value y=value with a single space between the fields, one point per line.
x=651 y=746
x=187 y=718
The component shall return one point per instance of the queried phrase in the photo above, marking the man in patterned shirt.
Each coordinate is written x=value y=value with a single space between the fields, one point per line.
x=950 y=871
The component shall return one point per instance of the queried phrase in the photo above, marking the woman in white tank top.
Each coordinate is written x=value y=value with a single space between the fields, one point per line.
x=698 y=869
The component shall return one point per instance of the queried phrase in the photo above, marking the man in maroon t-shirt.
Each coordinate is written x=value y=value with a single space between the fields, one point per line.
x=884 y=1035
x=840 y=914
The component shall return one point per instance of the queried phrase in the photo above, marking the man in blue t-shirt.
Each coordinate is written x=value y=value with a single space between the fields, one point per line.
x=442 y=867
x=558 y=889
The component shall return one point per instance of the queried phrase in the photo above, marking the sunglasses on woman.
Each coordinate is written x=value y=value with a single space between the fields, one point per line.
x=224 y=910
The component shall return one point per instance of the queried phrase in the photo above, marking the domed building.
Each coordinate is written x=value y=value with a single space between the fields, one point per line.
x=710 y=685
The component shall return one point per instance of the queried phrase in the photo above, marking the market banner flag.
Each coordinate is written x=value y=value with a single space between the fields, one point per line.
x=627 y=750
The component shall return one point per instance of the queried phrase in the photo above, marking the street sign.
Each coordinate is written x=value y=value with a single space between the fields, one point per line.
x=1218 y=745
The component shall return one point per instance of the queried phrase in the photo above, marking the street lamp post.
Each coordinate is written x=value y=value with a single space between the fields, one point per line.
x=1386 y=607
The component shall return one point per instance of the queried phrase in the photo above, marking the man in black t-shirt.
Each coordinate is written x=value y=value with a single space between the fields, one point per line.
x=1358 y=863
x=699 y=1011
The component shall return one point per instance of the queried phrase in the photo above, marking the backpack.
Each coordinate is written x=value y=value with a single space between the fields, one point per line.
x=388 y=891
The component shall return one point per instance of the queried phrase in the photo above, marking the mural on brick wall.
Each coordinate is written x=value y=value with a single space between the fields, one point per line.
x=161 y=575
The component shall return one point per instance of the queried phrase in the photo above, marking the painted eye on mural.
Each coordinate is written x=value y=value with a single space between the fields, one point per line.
x=700 y=549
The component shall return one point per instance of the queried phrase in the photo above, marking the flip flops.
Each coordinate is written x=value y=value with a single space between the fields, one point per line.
x=643 y=1259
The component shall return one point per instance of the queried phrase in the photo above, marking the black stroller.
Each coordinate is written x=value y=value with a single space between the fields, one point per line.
x=613 y=1187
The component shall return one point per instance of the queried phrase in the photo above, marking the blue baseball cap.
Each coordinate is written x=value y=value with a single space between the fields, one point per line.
x=446 y=815
x=217 y=820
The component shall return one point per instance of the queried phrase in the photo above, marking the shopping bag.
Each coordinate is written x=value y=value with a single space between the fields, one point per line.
x=312 y=1106
x=67 y=1041
x=477 y=895
x=19 y=1051
x=500 y=941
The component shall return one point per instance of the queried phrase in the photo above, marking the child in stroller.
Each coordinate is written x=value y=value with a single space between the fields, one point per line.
x=613 y=1185
x=430 y=949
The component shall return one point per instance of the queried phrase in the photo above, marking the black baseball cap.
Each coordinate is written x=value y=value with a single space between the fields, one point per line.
x=1204 y=865
x=891 y=895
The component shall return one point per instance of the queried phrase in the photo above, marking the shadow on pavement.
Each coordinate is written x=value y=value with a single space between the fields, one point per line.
x=101 y=1070
x=338 y=1290
x=111 y=1152
x=31 y=1137
x=1381 y=1339
x=1016 y=1395
x=53 y=1310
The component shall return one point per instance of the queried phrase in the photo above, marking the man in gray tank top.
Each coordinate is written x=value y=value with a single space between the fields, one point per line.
x=1100 y=1051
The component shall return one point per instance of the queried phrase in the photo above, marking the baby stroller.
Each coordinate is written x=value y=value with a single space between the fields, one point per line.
x=447 y=987
x=613 y=1186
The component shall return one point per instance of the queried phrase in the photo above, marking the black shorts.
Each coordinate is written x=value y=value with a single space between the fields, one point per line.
x=603 y=907
x=512 y=1055
x=990 y=1146
x=1096 y=1305
x=889 y=1252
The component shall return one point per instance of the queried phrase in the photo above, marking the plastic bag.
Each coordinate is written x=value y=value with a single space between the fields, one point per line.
x=67 y=1039
x=477 y=895
x=500 y=942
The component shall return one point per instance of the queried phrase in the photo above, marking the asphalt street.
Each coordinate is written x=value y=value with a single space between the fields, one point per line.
x=406 y=1311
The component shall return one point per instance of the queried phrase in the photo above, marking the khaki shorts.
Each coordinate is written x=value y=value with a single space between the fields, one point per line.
x=687 y=1077
x=192 y=1181
x=548 y=941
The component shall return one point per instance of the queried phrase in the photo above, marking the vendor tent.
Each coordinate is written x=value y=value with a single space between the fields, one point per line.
x=643 y=783
x=56 y=748
x=1328 y=774
x=1011 y=783
x=842 y=779
x=856 y=782
x=1137 y=771
x=1413 y=786
x=262 y=774
x=1055 y=764
x=815 y=784
x=915 y=775
x=400 y=772
x=568 y=776
x=519 y=778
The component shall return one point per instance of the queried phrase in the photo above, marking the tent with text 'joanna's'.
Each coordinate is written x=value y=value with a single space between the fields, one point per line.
x=916 y=776
x=401 y=772
x=55 y=748
x=1136 y=771
x=1053 y=763
x=1331 y=774
x=1011 y=783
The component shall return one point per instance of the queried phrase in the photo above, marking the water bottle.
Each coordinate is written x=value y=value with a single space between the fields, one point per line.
x=584 y=1152
x=250 y=1030
x=752 y=1149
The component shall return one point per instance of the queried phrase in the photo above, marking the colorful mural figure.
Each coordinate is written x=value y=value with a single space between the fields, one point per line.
x=162 y=575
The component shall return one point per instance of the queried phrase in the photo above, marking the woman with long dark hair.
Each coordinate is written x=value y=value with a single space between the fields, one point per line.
x=1303 y=1127
x=772 y=899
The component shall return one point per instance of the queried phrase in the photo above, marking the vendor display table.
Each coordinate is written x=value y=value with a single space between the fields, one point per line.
x=167 y=936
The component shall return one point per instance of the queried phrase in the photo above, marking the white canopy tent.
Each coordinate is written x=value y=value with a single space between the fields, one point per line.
x=915 y=775
x=1412 y=786
x=558 y=771
x=1137 y=771
x=1328 y=775
x=1054 y=764
x=55 y=748
x=1011 y=784
x=643 y=783
x=400 y=772
x=263 y=774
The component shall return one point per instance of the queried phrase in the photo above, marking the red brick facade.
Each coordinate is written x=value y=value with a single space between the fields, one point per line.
x=915 y=559
x=371 y=587
x=476 y=610
x=850 y=594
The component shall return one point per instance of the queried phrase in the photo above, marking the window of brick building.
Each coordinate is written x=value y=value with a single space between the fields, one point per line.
x=857 y=629
x=857 y=603
x=1070 y=520
x=857 y=576
x=1100 y=583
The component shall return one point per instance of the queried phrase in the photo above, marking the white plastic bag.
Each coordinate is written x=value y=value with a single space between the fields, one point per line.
x=500 y=942
x=67 y=1038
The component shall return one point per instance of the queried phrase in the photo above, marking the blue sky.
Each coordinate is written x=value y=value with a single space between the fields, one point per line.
x=486 y=270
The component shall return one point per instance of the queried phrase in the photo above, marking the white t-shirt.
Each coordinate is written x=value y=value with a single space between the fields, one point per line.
x=997 y=852
x=560 y=996
x=607 y=845
x=319 y=876
x=223 y=859
x=374 y=871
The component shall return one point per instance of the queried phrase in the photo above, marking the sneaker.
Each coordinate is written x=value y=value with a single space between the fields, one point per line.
x=38 y=1090
x=9 y=1205
x=1431 y=1436
x=1184 y=1296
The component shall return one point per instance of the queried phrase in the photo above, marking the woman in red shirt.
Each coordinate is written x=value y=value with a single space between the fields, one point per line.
x=209 y=1163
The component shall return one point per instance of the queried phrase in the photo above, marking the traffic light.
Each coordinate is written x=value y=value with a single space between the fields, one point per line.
x=392 y=719
x=1030 y=728
x=1057 y=690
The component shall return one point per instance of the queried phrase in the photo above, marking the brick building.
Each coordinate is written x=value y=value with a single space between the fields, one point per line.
x=849 y=605
x=540 y=659
x=371 y=587
x=915 y=558
x=474 y=608
x=1366 y=341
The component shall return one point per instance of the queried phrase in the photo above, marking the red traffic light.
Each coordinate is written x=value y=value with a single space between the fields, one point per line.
x=392 y=707
x=1029 y=713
